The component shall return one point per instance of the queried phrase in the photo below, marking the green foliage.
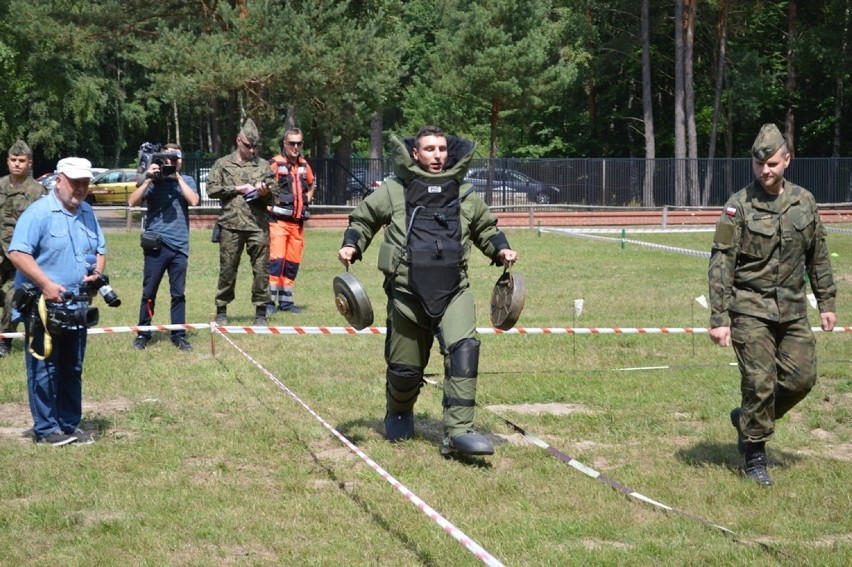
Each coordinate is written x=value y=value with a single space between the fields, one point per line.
x=558 y=77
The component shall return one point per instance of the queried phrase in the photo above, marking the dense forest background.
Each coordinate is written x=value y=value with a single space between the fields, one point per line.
x=526 y=78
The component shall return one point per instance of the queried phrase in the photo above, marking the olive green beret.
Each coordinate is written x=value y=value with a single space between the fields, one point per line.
x=768 y=140
x=249 y=131
x=20 y=148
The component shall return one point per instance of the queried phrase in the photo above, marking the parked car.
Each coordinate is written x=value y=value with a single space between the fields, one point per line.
x=361 y=182
x=513 y=187
x=112 y=187
x=48 y=181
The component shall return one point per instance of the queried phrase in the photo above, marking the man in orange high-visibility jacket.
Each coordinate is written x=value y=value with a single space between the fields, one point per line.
x=287 y=220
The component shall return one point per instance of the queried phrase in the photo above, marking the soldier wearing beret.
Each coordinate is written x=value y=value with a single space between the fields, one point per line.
x=238 y=180
x=17 y=191
x=767 y=241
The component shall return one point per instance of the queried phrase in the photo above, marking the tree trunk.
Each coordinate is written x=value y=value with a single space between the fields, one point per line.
x=679 y=110
x=840 y=86
x=689 y=103
x=177 y=122
x=647 y=112
x=492 y=153
x=722 y=35
x=790 y=118
x=376 y=154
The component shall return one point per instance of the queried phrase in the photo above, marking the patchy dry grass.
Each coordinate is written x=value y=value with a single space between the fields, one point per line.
x=202 y=459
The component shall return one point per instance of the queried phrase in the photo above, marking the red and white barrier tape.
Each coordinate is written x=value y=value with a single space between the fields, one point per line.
x=299 y=330
x=456 y=533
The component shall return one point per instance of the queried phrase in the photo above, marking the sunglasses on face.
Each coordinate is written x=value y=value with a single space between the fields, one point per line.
x=249 y=146
x=294 y=144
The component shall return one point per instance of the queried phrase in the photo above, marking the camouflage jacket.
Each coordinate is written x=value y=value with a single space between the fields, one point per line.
x=13 y=201
x=225 y=176
x=385 y=207
x=762 y=248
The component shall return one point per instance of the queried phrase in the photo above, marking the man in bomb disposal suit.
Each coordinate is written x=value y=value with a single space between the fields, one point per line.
x=431 y=221
x=238 y=180
x=768 y=239
x=17 y=191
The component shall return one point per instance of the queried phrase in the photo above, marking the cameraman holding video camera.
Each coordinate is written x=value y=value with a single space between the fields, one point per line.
x=60 y=252
x=165 y=243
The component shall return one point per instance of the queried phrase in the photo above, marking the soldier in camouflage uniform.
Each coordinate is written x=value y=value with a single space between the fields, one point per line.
x=431 y=222
x=17 y=191
x=239 y=181
x=767 y=241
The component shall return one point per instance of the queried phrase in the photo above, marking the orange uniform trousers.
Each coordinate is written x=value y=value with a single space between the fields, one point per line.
x=286 y=244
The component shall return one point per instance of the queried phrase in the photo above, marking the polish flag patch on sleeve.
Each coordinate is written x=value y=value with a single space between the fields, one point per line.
x=731 y=211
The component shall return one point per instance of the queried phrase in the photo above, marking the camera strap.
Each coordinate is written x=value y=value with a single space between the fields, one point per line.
x=48 y=340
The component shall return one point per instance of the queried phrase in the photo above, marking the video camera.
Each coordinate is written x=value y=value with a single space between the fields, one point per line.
x=155 y=153
x=75 y=311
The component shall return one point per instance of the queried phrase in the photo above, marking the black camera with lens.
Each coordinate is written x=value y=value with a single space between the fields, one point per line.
x=25 y=297
x=155 y=153
x=102 y=287
x=74 y=312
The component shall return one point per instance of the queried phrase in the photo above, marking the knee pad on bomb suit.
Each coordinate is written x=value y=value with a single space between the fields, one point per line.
x=460 y=387
x=402 y=387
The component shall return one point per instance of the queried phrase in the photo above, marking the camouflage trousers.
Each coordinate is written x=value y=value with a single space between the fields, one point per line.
x=7 y=290
x=777 y=363
x=231 y=246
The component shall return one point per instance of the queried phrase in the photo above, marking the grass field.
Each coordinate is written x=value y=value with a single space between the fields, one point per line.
x=204 y=460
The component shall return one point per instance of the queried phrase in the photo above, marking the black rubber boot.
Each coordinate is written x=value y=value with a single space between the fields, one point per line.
x=735 y=421
x=470 y=443
x=755 y=463
x=399 y=426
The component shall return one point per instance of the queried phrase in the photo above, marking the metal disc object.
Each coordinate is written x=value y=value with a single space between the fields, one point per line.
x=351 y=301
x=507 y=300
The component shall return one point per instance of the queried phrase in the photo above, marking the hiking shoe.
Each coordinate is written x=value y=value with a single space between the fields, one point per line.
x=260 y=319
x=470 y=443
x=221 y=318
x=5 y=347
x=735 y=421
x=755 y=463
x=57 y=439
x=291 y=307
x=399 y=426
x=182 y=344
x=82 y=437
x=141 y=342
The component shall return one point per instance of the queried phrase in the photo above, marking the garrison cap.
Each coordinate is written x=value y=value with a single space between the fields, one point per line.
x=250 y=131
x=768 y=140
x=20 y=148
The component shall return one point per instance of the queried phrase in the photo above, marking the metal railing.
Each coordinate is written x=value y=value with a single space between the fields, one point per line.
x=592 y=182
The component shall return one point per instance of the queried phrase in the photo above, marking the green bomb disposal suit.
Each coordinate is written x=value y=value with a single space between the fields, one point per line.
x=428 y=237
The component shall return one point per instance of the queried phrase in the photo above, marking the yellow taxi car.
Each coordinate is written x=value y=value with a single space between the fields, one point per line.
x=112 y=187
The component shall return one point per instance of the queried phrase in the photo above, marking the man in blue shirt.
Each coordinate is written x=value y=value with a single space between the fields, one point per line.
x=168 y=195
x=52 y=248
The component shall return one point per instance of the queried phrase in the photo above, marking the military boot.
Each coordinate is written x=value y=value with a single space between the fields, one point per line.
x=470 y=443
x=755 y=463
x=735 y=421
x=399 y=426
x=402 y=387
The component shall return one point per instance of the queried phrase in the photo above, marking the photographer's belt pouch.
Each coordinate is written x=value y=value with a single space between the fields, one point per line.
x=149 y=240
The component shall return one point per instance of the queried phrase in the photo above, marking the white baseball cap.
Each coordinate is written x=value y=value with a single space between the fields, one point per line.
x=75 y=168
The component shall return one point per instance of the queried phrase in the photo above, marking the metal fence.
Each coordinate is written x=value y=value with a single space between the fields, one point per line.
x=592 y=182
